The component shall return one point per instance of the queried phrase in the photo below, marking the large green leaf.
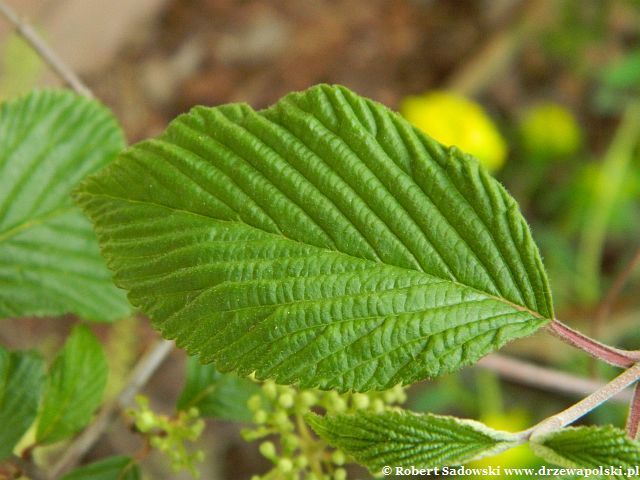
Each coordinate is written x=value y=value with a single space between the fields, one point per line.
x=75 y=386
x=113 y=468
x=588 y=447
x=49 y=258
x=323 y=241
x=215 y=394
x=21 y=381
x=401 y=438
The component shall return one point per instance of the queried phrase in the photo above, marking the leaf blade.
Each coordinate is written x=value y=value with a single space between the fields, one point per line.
x=76 y=382
x=401 y=438
x=21 y=381
x=328 y=256
x=588 y=447
x=216 y=394
x=49 y=257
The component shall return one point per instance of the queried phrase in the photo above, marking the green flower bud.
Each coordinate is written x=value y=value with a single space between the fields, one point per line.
x=285 y=400
x=281 y=420
x=270 y=390
x=338 y=458
x=254 y=403
x=285 y=465
x=377 y=405
x=268 y=450
x=146 y=421
x=401 y=395
x=389 y=396
x=340 y=474
x=290 y=442
x=360 y=401
x=260 y=417
x=338 y=405
x=306 y=399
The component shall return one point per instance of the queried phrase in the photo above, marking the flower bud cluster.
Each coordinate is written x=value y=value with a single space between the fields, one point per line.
x=170 y=434
x=289 y=444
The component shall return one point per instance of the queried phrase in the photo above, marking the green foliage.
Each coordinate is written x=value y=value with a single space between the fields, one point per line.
x=216 y=394
x=397 y=437
x=113 y=468
x=588 y=447
x=75 y=387
x=170 y=434
x=323 y=241
x=21 y=381
x=49 y=258
x=278 y=414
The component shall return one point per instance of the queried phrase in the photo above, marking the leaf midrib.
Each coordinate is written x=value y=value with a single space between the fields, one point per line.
x=85 y=193
x=34 y=222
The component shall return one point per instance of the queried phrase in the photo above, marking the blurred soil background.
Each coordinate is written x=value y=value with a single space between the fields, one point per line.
x=150 y=60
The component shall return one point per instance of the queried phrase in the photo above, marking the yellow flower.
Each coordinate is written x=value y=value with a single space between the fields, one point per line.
x=454 y=120
x=518 y=457
x=550 y=131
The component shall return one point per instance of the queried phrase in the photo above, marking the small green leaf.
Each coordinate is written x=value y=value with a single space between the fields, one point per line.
x=21 y=381
x=216 y=394
x=75 y=386
x=114 y=468
x=50 y=263
x=323 y=241
x=402 y=438
x=588 y=447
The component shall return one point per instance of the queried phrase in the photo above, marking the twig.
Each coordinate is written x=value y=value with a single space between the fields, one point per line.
x=141 y=373
x=544 y=378
x=611 y=355
x=634 y=414
x=27 y=468
x=584 y=406
x=46 y=53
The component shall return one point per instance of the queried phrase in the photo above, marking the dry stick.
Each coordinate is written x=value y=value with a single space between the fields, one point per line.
x=141 y=373
x=27 y=468
x=606 y=353
x=44 y=51
x=544 y=378
x=149 y=363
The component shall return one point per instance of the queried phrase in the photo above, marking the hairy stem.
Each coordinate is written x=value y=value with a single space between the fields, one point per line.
x=307 y=447
x=140 y=375
x=27 y=32
x=606 y=353
x=633 y=419
x=587 y=404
